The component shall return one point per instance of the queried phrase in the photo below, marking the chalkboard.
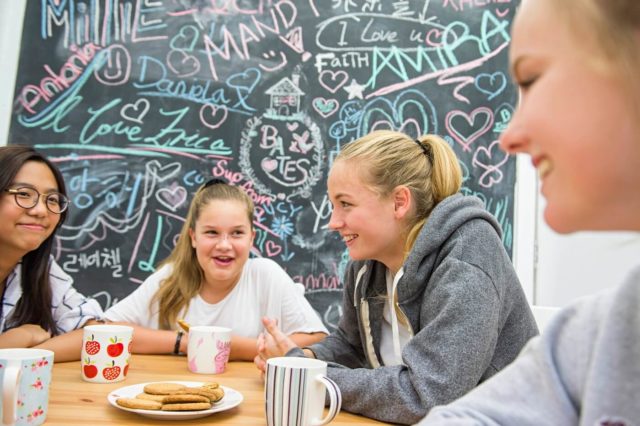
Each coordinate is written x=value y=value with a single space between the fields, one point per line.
x=138 y=102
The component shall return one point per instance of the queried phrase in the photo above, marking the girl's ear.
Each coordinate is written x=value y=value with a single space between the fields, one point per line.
x=402 y=200
x=193 y=241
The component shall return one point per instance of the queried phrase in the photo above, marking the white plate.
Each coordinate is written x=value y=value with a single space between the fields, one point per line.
x=232 y=398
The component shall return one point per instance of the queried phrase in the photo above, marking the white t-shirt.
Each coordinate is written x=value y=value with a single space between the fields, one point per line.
x=70 y=309
x=264 y=289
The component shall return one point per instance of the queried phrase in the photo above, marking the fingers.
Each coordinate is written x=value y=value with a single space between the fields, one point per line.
x=271 y=326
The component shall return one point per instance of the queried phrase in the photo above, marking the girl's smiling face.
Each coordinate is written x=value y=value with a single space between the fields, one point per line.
x=577 y=122
x=24 y=230
x=222 y=239
x=366 y=221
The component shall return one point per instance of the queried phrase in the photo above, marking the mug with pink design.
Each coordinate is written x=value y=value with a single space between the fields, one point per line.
x=25 y=375
x=208 y=349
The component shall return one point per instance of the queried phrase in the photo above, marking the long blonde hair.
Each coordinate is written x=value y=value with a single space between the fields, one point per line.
x=183 y=284
x=427 y=166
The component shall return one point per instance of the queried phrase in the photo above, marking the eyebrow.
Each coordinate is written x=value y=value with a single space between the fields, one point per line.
x=32 y=186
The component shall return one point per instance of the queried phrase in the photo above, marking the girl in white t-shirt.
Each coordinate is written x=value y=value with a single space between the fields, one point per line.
x=209 y=280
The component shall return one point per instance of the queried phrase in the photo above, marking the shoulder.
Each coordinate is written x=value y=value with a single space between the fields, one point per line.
x=57 y=276
x=261 y=264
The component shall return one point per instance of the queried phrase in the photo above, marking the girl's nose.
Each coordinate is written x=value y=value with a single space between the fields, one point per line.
x=514 y=139
x=335 y=222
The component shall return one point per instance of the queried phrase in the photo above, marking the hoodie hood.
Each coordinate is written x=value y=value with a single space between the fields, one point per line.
x=446 y=218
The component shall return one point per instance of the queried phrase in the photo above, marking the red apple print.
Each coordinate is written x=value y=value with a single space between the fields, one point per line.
x=115 y=348
x=111 y=373
x=92 y=347
x=90 y=370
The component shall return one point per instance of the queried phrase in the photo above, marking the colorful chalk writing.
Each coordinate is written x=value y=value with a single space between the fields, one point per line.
x=140 y=102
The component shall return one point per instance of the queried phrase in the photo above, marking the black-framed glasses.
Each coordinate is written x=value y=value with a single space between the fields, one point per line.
x=27 y=198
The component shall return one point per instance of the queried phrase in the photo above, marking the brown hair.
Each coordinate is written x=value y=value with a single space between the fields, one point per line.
x=184 y=282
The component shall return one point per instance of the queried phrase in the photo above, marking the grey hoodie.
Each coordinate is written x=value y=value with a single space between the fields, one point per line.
x=465 y=306
x=583 y=370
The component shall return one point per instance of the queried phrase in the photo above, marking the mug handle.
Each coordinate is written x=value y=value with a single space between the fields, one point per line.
x=10 y=385
x=335 y=400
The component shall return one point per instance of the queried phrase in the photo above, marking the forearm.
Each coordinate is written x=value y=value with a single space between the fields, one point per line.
x=243 y=348
x=66 y=347
x=15 y=338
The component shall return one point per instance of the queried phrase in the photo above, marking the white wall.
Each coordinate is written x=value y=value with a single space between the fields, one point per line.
x=11 y=13
x=553 y=269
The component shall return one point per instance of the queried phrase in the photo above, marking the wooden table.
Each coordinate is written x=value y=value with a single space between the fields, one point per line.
x=73 y=401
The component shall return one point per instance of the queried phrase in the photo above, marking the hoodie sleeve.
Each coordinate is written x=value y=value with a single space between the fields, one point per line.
x=443 y=361
x=343 y=346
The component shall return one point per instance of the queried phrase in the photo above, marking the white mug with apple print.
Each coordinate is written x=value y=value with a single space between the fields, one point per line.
x=106 y=353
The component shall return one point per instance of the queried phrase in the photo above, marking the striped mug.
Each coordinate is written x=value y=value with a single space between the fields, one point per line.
x=295 y=391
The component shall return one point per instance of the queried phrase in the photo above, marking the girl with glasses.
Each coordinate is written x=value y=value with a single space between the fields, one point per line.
x=209 y=279
x=38 y=299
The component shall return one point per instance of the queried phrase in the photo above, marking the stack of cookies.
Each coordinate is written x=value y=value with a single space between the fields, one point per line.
x=174 y=397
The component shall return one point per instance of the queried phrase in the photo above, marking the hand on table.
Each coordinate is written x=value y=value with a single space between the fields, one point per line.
x=271 y=343
x=24 y=336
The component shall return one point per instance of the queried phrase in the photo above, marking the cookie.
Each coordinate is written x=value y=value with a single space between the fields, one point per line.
x=214 y=395
x=210 y=385
x=151 y=397
x=184 y=397
x=163 y=388
x=139 y=404
x=186 y=406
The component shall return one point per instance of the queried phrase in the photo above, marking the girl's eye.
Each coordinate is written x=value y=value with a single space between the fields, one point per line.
x=344 y=204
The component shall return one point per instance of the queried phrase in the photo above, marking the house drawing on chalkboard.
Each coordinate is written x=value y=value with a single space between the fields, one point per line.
x=285 y=98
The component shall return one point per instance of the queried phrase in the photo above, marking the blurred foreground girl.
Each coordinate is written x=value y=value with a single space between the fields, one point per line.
x=576 y=62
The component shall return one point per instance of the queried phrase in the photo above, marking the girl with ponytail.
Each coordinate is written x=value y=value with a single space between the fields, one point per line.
x=432 y=304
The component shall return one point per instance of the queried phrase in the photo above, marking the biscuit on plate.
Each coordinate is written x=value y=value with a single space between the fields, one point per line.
x=140 y=404
x=163 y=388
x=151 y=397
x=186 y=406
x=214 y=395
x=184 y=397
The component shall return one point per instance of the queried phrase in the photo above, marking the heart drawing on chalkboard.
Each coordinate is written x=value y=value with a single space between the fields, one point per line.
x=491 y=84
x=160 y=172
x=484 y=159
x=325 y=107
x=135 y=111
x=333 y=81
x=466 y=128
x=213 y=116
x=272 y=248
x=269 y=164
x=182 y=64
x=172 y=197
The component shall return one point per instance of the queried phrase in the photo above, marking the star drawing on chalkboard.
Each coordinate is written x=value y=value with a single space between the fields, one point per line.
x=354 y=89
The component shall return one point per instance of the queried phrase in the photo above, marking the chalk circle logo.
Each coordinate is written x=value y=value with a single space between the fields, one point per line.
x=282 y=156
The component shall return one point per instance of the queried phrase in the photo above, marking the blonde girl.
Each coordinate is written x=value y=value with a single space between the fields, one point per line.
x=432 y=305
x=209 y=280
